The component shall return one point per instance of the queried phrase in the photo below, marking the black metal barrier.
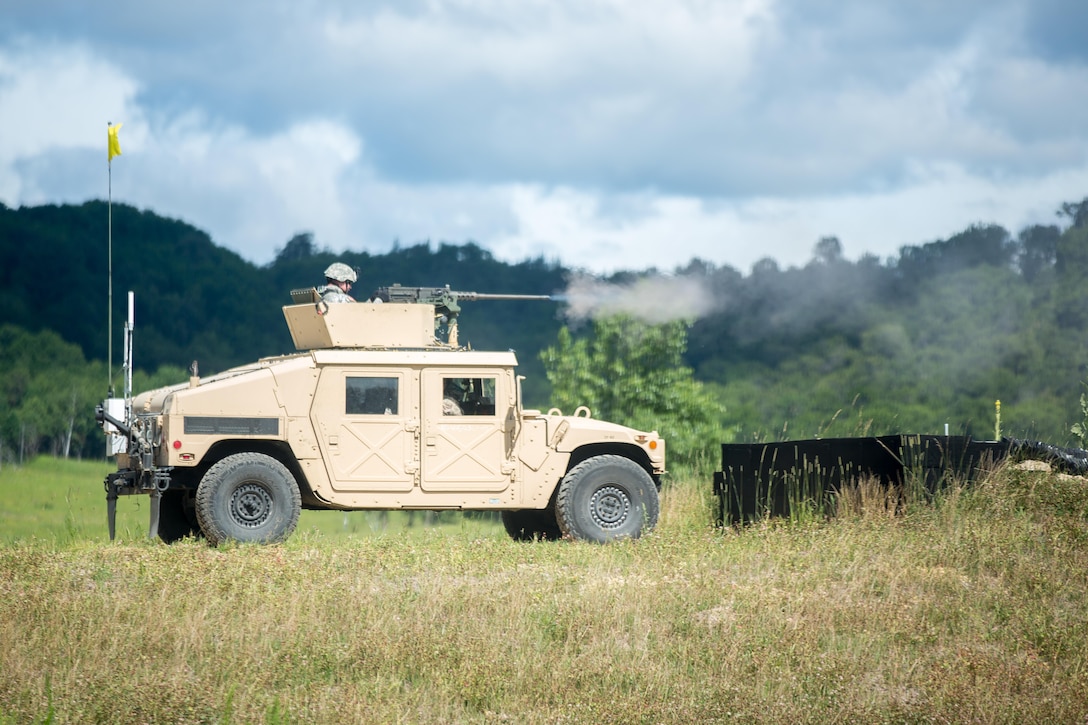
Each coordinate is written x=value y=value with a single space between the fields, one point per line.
x=773 y=479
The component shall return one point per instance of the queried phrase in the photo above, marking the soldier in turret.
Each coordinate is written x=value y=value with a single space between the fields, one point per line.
x=338 y=280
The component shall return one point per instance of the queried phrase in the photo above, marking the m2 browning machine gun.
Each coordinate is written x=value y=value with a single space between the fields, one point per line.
x=447 y=302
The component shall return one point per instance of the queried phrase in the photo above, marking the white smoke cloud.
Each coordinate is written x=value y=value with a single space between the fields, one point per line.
x=655 y=299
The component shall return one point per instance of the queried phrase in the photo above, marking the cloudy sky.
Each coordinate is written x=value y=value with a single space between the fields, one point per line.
x=606 y=134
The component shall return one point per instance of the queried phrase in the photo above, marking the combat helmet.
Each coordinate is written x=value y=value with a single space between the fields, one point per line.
x=340 y=272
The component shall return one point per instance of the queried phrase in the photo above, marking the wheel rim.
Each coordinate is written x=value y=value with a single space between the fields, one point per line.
x=609 y=507
x=250 y=505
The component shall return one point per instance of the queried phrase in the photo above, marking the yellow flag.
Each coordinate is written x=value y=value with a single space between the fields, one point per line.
x=113 y=146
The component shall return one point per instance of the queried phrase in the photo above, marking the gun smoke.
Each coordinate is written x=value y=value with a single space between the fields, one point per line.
x=653 y=299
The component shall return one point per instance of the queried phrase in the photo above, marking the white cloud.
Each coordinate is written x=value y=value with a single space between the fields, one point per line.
x=670 y=230
x=250 y=192
x=55 y=98
x=605 y=134
x=549 y=45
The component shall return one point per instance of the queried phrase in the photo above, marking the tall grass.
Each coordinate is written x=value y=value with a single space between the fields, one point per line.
x=971 y=607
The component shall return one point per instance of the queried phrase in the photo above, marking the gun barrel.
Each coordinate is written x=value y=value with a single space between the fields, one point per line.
x=473 y=296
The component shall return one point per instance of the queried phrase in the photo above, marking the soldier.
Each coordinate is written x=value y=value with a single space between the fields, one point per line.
x=338 y=280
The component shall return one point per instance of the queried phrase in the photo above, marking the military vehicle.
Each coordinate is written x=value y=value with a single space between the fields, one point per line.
x=375 y=411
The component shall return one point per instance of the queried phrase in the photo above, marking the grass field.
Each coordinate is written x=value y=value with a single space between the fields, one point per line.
x=972 y=608
x=63 y=502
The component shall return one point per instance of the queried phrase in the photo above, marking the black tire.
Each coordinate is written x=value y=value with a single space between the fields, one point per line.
x=177 y=515
x=248 y=497
x=605 y=498
x=531 y=524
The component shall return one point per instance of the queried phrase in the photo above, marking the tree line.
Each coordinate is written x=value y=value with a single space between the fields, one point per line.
x=932 y=336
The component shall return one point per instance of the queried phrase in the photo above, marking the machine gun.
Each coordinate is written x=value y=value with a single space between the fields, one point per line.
x=447 y=302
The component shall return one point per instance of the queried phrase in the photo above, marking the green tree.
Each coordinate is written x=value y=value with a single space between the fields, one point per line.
x=1071 y=261
x=632 y=373
x=1076 y=211
x=39 y=391
x=48 y=392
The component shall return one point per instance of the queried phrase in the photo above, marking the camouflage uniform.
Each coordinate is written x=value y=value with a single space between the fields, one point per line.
x=331 y=293
x=338 y=272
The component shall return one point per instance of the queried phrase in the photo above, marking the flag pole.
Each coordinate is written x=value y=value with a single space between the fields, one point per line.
x=109 y=266
x=113 y=148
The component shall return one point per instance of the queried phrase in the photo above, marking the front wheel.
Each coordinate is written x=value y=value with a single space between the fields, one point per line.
x=606 y=498
x=248 y=497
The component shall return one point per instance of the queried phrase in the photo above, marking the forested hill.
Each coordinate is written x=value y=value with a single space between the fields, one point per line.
x=834 y=347
x=198 y=301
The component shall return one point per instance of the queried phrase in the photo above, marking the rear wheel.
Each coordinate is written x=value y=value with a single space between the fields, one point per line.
x=248 y=497
x=531 y=524
x=177 y=515
x=606 y=498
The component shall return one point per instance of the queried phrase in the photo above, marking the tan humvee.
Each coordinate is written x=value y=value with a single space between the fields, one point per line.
x=375 y=413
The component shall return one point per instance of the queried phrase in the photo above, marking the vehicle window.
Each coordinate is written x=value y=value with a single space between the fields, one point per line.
x=468 y=396
x=371 y=396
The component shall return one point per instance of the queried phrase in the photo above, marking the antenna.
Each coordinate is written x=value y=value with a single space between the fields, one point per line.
x=109 y=274
x=130 y=324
